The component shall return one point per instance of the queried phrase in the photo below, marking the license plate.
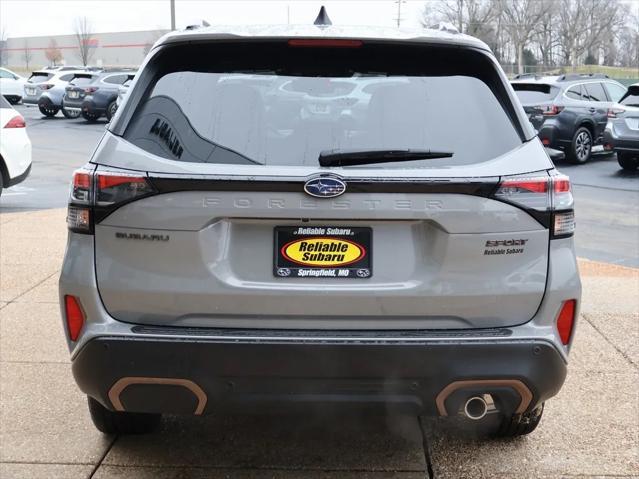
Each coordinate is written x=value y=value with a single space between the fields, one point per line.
x=323 y=252
x=31 y=91
x=319 y=108
x=74 y=94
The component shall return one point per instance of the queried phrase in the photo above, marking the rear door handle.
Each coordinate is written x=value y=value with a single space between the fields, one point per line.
x=592 y=110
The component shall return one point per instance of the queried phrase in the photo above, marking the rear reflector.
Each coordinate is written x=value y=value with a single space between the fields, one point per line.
x=327 y=43
x=566 y=321
x=74 y=316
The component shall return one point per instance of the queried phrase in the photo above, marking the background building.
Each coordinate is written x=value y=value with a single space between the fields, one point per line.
x=103 y=49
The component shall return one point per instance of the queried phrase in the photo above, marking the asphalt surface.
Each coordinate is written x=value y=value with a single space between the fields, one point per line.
x=607 y=197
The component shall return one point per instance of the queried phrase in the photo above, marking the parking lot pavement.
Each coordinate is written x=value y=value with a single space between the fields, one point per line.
x=590 y=429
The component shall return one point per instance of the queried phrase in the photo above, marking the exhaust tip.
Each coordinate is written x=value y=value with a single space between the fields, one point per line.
x=475 y=408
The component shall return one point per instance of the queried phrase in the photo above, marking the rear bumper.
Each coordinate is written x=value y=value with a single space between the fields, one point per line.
x=226 y=372
x=620 y=142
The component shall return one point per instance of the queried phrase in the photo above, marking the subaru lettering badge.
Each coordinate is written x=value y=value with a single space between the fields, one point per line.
x=325 y=187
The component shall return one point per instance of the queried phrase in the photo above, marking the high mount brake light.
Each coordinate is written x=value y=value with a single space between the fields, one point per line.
x=95 y=194
x=16 y=122
x=546 y=197
x=327 y=43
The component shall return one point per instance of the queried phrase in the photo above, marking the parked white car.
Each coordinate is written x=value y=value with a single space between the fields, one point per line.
x=11 y=85
x=15 y=147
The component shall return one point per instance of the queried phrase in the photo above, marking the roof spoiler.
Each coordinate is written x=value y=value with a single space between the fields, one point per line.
x=581 y=76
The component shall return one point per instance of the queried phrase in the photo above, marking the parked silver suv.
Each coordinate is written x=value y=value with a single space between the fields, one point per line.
x=236 y=244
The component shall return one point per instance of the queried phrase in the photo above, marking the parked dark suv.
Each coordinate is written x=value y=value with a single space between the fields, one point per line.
x=98 y=97
x=570 y=111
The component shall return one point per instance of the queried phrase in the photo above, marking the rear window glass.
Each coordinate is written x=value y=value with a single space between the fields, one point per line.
x=4 y=103
x=82 y=80
x=631 y=98
x=271 y=104
x=40 y=77
x=115 y=79
x=535 y=92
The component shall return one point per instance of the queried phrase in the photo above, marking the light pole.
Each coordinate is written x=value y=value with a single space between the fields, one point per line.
x=172 y=14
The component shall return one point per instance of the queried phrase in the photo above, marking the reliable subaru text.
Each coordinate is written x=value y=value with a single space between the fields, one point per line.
x=247 y=235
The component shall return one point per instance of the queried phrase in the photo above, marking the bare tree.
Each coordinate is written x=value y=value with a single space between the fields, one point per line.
x=585 y=24
x=473 y=17
x=26 y=54
x=3 y=44
x=83 y=32
x=53 y=53
x=521 y=17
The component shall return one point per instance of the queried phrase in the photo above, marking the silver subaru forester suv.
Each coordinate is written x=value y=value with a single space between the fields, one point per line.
x=314 y=216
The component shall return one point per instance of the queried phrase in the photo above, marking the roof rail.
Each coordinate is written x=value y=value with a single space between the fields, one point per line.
x=581 y=76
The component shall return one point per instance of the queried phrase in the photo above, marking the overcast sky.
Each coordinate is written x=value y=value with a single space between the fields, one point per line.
x=55 y=17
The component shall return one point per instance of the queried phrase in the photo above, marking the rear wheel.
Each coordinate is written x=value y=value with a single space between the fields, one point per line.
x=627 y=161
x=116 y=422
x=70 y=114
x=111 y=109
x=1 y=182
x=48 y=111
x=89 y=116
x=519 y=424
x=581 y=146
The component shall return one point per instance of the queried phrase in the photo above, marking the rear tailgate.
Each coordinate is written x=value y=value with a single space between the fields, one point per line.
x=230 y=223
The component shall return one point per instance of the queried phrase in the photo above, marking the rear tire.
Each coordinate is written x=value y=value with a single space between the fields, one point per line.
x=70 y=114
x=581 y=147
x=116 y=422
x=627 y=161
x=90 y=117
x=1 y=181
x=111 y=109
x=48 y=111
x=519 y=424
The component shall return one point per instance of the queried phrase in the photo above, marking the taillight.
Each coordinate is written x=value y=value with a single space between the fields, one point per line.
x=74 y=316
x=95 y=194
x=550 y=110
x=45 y=86
x=16 y=122
x=91 y=89
x=113 y=188
x=615 y=112
x=566 y=321
x=547 y=197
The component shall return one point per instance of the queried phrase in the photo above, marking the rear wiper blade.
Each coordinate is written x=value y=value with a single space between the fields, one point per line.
x=367 y=157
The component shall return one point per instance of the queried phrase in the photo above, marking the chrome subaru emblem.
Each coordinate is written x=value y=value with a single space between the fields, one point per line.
x=325 y=187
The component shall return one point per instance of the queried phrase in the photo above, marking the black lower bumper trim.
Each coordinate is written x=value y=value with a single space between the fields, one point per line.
x=247 y=376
